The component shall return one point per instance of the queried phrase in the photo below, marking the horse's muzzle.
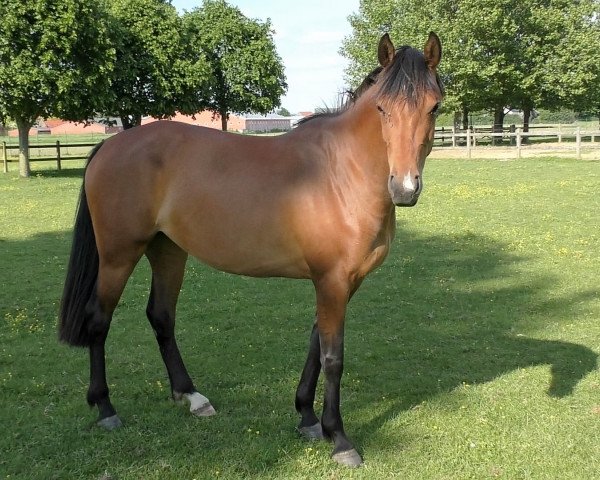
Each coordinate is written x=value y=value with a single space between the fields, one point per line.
x=405 y=192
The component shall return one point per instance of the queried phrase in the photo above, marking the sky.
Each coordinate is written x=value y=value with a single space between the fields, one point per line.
x=308 y=36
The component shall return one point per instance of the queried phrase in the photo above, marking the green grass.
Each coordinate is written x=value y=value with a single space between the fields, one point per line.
x=471 y=353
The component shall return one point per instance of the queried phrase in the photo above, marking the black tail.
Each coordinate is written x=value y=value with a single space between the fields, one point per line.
x=81 y=275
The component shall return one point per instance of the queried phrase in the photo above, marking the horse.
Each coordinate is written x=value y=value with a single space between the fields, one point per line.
x=316 y=203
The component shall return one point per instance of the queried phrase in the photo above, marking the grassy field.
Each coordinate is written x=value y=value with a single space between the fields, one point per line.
x=471 y=353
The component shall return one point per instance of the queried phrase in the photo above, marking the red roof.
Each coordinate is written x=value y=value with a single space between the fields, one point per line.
x=53 y=122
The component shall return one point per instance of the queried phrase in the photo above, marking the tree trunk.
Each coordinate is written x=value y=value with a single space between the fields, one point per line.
x=498 y=124
x=465 y=118
x=126 y=122
x=526 y=117
x=130 y=121
x=223 y=121
x=456 y=122
x=24 y=125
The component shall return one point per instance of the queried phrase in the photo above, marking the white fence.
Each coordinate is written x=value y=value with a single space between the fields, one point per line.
x=574 y=139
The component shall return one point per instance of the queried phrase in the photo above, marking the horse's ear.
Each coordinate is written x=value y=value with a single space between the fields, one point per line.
x=385 y=50
x=433 y=51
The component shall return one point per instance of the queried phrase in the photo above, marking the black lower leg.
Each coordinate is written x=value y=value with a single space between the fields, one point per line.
x=163 y=324
x=98 y=326
x=178 y=374
x=98 y=390
x=305 y=393
x=332 y=358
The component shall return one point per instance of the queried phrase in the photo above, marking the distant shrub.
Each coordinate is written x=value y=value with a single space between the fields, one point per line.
x=557 y=116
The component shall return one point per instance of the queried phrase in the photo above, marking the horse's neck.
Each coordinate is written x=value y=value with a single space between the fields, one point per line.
x=349 y=150
x=362 y=148
x=364 y=159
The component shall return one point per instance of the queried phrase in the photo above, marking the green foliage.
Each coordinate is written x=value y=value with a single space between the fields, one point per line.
x=564 y=65
x=496 y=53
x=55 y=60
x=247 y=74
x=130 y=58
x=155 y=73
x=561 y=116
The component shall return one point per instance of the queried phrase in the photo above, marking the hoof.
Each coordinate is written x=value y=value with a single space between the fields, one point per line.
x=110 y=423
x=206 y=410
x=349 y=458
x=199 y=405
x=314 y=432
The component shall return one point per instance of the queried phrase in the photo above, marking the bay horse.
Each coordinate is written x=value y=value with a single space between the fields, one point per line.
x=316 y=203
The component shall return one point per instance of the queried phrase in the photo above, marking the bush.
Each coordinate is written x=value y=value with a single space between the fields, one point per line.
x=557 y=116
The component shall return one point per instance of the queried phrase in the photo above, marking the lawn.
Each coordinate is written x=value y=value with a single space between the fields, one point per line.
x=472 y=353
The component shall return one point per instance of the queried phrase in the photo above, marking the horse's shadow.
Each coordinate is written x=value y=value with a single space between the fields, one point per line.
x=456 y=311
x=443 y=311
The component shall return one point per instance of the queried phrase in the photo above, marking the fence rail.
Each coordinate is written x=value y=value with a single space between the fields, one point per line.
x=573 y=138
x=57 y=152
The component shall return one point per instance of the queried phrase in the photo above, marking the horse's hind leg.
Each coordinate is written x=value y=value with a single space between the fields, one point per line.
x=112 y=277
x=168 y=264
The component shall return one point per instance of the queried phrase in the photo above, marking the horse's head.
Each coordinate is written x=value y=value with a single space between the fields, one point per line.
x=408 y=96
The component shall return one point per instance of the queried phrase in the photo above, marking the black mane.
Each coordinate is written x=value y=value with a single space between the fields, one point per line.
x=350 y=98
x=405 y=80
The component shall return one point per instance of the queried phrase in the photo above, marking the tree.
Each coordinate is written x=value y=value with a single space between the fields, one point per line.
x=55 y=60
x=569 y=65
x=155 y=73
x=247 y=73
x=497 y=53
x=474 y=67
x=408 y=22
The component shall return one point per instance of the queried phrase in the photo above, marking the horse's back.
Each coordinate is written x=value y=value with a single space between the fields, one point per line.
x=230 y=200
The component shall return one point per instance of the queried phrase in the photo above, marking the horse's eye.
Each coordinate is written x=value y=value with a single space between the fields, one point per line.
x=435 y=110
x=383 y=112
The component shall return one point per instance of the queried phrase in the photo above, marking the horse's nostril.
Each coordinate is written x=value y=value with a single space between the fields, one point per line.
x=419 y=185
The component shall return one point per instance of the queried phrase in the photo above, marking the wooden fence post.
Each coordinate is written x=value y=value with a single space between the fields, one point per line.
x=518 y=143
x=58 y=159
x=578 y=142
x=4 y=157
x=468 y=143
x=454 y=136
x=559 y=134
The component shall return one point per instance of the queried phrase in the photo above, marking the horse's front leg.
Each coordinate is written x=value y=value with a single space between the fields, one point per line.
x=332 y=297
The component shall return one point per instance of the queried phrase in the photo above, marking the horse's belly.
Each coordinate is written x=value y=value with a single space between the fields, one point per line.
x=252 y=260
x=234 y=243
